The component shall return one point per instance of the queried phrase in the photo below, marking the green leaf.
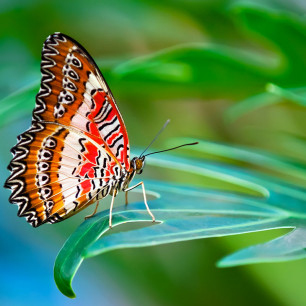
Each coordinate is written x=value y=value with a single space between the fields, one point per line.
x=293 y=170
x=274 y=95
x=69 y=258
x=248 y=105
x=296 y=95
x=185 y=213
x=291 y=246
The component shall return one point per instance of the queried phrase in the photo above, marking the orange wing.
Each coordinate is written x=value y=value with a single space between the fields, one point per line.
x=74 y=93
x=77 y=142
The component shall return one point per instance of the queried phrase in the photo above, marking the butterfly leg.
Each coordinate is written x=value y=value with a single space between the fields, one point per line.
x=126 y=198
x=111 y=209
x=144 y=198
x=95 y=211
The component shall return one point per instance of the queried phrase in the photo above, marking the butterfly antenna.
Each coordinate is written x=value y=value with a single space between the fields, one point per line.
x=186 y=144
x=164 y=126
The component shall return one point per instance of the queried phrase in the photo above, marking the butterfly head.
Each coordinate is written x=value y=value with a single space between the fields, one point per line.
x=138 y=164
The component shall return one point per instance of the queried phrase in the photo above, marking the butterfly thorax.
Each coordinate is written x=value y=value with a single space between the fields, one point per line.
x=126 y=176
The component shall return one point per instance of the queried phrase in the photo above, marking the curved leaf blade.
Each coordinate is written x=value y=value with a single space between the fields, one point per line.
x=69 y=259
x=288 y=247
x=185 y=213
x=177 y=220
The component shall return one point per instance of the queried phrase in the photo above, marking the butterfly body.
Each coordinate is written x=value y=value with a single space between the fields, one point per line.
x=77 y=148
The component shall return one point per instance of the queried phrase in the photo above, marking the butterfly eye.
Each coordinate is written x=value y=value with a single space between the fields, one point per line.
x=138 y=164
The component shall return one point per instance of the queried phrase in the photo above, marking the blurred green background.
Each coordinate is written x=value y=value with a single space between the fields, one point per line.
x=205 y=65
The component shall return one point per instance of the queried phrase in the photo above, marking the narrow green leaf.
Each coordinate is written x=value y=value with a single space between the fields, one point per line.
x=291 y=246
x=185 y=213
x=263 y=160
x=200 y=214
x=248 y=105
x=274 y=95
x=291 y=95
x=69 y=258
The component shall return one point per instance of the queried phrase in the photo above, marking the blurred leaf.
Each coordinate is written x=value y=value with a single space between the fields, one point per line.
x=220 y=71
x=274 y=95
x=248 y=105
x=185 y=213
x=245 y=156
x=18 y=104
x=284 y=32
x=296 y=95
x=291 y=246
x=215 y=70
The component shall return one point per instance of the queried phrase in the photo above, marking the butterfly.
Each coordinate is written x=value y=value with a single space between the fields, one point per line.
x=76 y=151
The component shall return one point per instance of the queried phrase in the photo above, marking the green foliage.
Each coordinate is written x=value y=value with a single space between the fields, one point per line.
x=230 y=71
x=185 y=213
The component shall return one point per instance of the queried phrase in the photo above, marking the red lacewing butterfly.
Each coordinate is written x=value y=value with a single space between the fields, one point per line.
x=76 y=151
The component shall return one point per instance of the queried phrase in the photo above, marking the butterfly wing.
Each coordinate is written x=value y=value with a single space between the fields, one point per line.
x=77 y=140
x=74 y=93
